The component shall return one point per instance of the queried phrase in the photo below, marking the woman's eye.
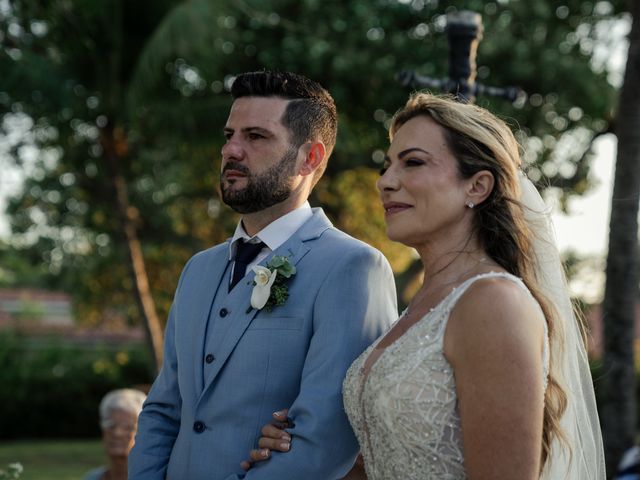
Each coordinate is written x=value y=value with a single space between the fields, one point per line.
x=412 y=162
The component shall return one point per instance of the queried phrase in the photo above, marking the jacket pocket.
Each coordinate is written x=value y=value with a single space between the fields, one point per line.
x=267 y=321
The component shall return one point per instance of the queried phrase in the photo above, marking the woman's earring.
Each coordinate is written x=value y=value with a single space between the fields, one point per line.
x=471 y=204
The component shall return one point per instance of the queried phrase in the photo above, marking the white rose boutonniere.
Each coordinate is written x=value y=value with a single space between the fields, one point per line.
x=269 y=283
x=262 y=283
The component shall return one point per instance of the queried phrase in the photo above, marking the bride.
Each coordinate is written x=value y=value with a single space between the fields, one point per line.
x=485 y=374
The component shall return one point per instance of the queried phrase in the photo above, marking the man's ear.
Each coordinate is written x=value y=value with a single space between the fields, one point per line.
x=314 y=153
x=480 y=187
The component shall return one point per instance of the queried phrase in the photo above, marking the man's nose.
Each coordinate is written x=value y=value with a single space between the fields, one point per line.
x=232 y=150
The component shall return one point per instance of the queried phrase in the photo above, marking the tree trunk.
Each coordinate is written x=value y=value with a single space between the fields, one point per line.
x=113 y=150
x=619 y=406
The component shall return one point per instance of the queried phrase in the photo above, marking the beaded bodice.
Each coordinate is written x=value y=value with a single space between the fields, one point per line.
x=404 y=411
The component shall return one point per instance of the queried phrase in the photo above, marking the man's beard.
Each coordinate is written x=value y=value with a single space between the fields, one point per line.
x=262 y=191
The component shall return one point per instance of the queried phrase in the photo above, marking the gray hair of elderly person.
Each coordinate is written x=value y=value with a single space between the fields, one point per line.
x=126 y=399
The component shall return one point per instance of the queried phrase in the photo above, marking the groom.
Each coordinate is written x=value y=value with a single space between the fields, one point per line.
x=227 y=364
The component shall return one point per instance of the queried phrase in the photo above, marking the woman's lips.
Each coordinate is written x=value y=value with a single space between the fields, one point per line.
x=391 y=208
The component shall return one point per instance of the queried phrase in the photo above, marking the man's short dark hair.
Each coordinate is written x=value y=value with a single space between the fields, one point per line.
x=310 y=114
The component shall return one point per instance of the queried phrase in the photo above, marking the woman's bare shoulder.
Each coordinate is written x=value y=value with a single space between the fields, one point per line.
x=494 y=311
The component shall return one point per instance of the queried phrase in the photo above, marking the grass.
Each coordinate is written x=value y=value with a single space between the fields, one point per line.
x=53 y=459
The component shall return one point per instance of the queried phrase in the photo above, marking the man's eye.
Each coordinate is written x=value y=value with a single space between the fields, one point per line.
x=255 y=136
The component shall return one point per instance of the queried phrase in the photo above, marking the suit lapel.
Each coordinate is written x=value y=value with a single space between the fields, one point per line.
x=239 y=298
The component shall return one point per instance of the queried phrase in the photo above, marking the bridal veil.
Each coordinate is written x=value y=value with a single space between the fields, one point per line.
x=584 y=457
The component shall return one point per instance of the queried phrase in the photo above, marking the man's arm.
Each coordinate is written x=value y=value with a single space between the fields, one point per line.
x=355 y=304
x=159 y=421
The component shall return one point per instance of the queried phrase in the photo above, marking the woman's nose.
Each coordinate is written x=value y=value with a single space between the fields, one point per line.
x=387 y=181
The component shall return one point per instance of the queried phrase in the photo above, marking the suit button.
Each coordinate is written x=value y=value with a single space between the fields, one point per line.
x=223 y=312
x=198 y=427
x=209 y=358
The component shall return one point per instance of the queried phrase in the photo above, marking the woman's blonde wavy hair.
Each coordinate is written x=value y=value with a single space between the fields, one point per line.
x=481 y=141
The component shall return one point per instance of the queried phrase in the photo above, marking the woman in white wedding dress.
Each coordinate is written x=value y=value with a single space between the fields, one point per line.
x=484 y=376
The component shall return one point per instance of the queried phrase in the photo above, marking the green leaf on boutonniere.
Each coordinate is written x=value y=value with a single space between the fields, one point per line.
x=282 y=265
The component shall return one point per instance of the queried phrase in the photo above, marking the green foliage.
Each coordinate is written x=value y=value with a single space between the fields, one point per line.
x=52 y=389
x=24 y=268
x=279 y=293
x=150 y=77
x=54 y=459
x=282 y=265
x=12 y=472
x=352 y=202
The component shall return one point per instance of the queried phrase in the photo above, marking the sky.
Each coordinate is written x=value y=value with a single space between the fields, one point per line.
x=8 y=181
x=586 y=227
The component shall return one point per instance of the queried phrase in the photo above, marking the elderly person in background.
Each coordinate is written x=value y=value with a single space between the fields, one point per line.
x=119 y=411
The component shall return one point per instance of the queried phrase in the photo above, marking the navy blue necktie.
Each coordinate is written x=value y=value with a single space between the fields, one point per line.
x=245 y=254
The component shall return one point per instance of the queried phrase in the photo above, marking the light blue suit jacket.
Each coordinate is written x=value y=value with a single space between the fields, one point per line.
x=341 y=299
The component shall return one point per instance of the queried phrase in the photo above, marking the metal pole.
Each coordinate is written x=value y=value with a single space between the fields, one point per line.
x=464 y=31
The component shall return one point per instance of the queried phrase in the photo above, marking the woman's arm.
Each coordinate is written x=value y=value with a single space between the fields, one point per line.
x=494 y=341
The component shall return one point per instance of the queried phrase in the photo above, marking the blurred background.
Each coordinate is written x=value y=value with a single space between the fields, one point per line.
x=111 y=117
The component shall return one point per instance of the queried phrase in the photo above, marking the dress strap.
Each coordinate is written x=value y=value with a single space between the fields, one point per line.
x=460 y=289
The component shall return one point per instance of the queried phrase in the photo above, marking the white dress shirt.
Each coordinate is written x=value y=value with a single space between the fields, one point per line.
x=273 y=235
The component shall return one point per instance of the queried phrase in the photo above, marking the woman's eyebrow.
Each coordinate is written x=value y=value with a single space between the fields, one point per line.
x=407 y=151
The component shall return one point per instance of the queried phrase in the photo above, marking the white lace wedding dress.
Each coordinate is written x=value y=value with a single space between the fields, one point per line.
x=404 y=411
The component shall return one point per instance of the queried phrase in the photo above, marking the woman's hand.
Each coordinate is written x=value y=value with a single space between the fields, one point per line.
x=357 y=472
x=274 y=438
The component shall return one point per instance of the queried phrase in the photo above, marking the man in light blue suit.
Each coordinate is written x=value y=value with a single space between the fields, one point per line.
x=227 y=364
